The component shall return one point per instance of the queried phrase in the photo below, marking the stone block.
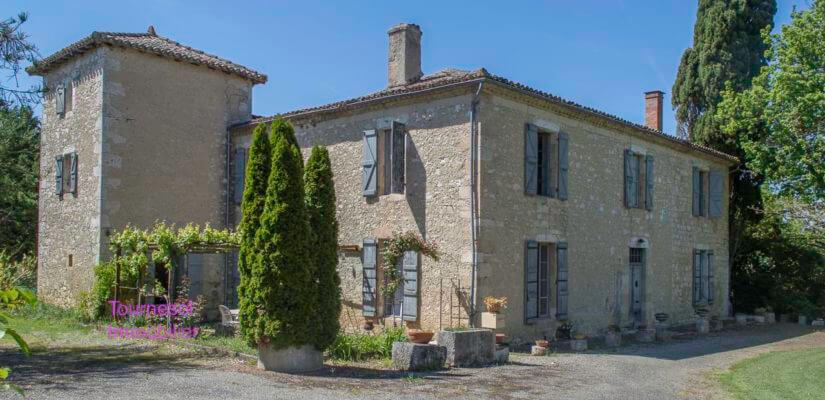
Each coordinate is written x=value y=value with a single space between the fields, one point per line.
x=741 y=319
x=759 y=319
x=492 y=321
x=770 y=318
x=291 y=359
x=717 y=325
x=663 y=334
x=502 y=354
x=578 y=345
x=613 y=339
x=474 y=347
x=538 y=350
x=646 y=335
x=418 y=357
x=702 y=326
x=818 y=322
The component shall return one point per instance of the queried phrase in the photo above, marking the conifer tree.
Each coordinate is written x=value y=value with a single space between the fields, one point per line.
x=320 y=202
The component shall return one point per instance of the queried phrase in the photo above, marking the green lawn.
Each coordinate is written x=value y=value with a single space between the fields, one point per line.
x=778 y=375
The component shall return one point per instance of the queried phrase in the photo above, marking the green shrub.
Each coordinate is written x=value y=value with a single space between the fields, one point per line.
x=17 y=273
x=360 y=346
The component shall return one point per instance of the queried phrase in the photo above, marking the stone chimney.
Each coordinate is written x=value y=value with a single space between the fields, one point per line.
x=653 y=109
x=405 y=55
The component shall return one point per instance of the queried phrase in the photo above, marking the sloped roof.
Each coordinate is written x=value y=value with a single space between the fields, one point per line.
x=456 y=77
x=147 y=42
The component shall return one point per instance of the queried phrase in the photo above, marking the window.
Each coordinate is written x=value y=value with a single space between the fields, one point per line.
x=241 y=158
x=638 y=180
x=404 y=303
x=384 y=160
x=545 y=162
x=65 y=173
x=541 y=259
x=707 y=193
x=704 y=285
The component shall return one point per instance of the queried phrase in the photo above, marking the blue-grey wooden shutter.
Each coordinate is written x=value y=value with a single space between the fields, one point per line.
x=697 y=192
x=697 y=276
x=369 y=163
x=629 y=179
x=562 y=269
x=531 y=158
x=564 y=164
x=409 y=267
x=531 y=280
x=60 y=99
x=398 y=136
x=73 y=173
x=711 y=284
x=58 y=175
x=369 y=262
x=649 y=183
x=195 y=272
x=240 y=174
x=715 y=194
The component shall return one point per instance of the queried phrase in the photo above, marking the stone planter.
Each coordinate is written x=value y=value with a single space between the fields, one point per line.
x=818 y=323
x=418 y=357
x=290 y=359
x=770 y=318
x=702 y=326
x=494 y=321
x=759 y=319
x=741 y=319
x=646 y=335
x=613 y=339
x=803 y=320
x=502 y=354
x=663 y=334
x=578 y=345
x=538 y=350
x=474 y=347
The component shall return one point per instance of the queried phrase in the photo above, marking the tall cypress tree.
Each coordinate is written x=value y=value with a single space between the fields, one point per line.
x=320 y=202
x=254 y=196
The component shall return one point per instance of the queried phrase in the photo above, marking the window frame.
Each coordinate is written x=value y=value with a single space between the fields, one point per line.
x=705 y=277
x=547 y=163
x=387 y=150
x=545 y=251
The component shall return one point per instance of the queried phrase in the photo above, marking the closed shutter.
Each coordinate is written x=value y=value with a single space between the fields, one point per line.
x=195 y=272
x=73 y=173
x=368 y=262
x=564 y=143
x=711 y=284
x=369 y=163
x=531 y=284
x=60 y=99
x=697 y=192
x=409 y=267
x=398 y=137
x=715 y=194
x=58 y=175
x=562 y=268
x=531 y=158
x=240 y=174
x=649 y=183
x=697 y=276
x=629 y=179
x=67 y=173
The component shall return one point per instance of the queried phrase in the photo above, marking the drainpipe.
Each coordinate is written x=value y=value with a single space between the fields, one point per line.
x=473 y=202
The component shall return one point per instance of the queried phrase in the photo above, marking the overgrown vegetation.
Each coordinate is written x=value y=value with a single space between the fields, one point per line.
x=17 y=273
x=361 y=346
x=394 y=250
x=19 y=148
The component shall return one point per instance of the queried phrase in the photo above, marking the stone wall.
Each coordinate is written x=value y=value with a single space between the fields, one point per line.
x=68 y=225
x=593 y=221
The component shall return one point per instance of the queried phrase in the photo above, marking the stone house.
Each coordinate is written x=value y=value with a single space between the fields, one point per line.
x=571 y=213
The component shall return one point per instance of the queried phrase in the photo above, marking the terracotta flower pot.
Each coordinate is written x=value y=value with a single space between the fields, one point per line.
x=420 y=337
x=542 y=343
x=500 y=338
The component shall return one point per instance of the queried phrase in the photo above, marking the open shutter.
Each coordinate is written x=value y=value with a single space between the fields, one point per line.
x=368 y=262
x=409 y=267
x=73 y=173
x=711 y=284
x=564 y=143
x=240 y=173
x=715 y=194
x=649 y=183
x=369 y=163
x=194 y=270
x=697 y=190
x=697 y=276
x=58 y=175
x=60 y=99
x=629 y=179
x=562 y=268
x=398 y=137
x=531 y=280
x=531 y=158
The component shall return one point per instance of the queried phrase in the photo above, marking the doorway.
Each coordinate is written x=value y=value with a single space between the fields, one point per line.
x=637 y=274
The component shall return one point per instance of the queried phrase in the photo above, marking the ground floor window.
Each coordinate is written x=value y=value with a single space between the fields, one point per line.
x=538 y=270
x=704 y=285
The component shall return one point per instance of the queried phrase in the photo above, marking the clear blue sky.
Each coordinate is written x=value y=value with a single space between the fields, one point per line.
x=600 y=53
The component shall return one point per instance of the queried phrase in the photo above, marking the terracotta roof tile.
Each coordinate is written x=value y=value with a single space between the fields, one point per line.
x=150 y=43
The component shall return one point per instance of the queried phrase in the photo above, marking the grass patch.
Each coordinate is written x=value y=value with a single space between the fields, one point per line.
x=48 y=321
x=359 y=346
x=233 y=343
x=778 y=375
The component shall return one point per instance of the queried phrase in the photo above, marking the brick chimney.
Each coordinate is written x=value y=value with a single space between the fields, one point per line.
x=653 y=109
x=405 y=54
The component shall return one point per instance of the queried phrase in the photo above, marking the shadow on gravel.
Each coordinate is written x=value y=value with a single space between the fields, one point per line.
x=62 y=367
x=689 y=345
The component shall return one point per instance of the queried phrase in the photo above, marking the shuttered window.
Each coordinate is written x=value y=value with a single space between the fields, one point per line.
x=58 y=175
x=704 y=285
x=708 y=193
x=538 y=265
x=369 y=259
x=638 y=180
x=369 y=163
x=60 y=99
x=546 y=162
x=385 y=160
x=194 y=270
x=410 y=271
x=73 y=173
x=397 y=154
x=562 y=268
x=715 y=192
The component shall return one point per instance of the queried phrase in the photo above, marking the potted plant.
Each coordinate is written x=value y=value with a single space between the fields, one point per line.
x=579 y=342
x=613 y=336
x=419 y=336
x=500 y=338
x=564 y=330
x=492 y=318
x=543 y=343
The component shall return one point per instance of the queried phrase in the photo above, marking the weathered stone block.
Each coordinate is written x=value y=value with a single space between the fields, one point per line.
x=646 y=335
x=502 y=354
x=291 y=359
x=474 y=347
x=538 y=350
x=770 y=318
x=578 y=345
x=741 y=319
x=613 y=339
x=702 y=326
x=717 y=325
x=663 y=334
x=759 y=319
x=418 y=357
x=818 y=322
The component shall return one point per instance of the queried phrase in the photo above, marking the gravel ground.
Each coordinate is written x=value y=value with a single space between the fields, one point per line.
x=675 y=370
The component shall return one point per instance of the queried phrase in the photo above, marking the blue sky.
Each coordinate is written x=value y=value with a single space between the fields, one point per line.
x=600 y=53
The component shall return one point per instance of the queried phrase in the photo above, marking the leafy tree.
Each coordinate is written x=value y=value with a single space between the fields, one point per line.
x=15 y=49
x=279 y=286
x=19 y=147
x=254 y=198
x=320 y=203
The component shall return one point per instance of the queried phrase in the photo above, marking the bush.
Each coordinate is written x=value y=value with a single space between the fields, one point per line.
x=17 y=273
x=359 y=346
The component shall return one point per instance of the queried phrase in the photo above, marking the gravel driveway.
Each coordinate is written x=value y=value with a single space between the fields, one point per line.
x=678 y=369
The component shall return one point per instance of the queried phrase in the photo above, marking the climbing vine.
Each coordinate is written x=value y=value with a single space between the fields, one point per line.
x=393 y=252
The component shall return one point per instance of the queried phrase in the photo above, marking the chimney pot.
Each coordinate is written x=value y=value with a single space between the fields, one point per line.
x=404 y=64
x=653 y=109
